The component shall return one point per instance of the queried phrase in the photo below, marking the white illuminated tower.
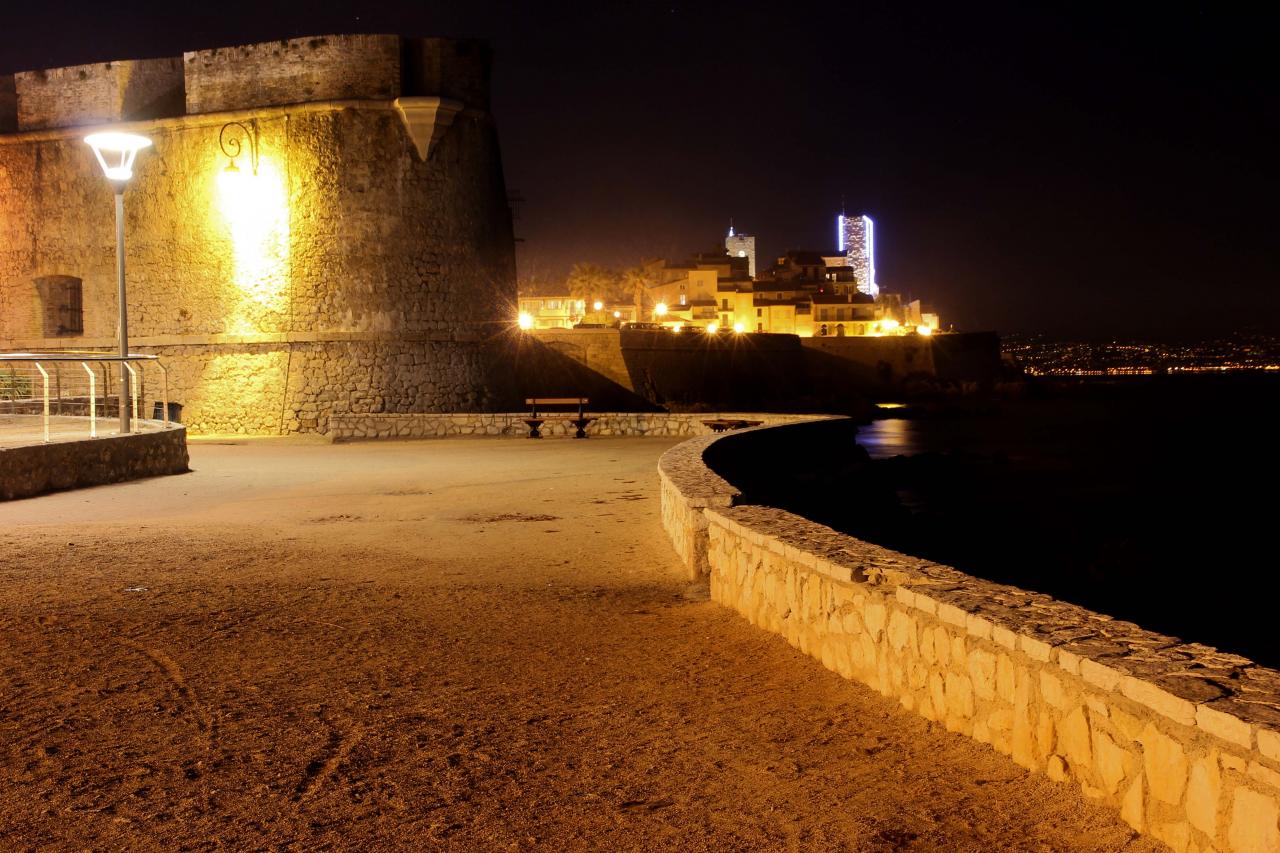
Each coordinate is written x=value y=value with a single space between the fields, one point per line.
x=855 y=236
x=742 y=246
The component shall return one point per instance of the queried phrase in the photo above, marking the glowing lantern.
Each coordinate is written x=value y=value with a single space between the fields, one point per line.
x=116 y=152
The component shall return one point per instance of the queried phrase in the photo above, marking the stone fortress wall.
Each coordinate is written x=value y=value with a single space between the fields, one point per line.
x=359 y=269
x=1182 y=739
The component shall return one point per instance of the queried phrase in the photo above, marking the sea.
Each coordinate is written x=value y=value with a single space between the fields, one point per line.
x=1151 y=499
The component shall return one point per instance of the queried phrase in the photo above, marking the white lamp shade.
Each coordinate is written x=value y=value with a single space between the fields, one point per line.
x=116 y=152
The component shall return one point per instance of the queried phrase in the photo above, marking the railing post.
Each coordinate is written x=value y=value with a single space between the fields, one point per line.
x=93 y=402
x=133 y=395
x=45 y=375
x=164 y=390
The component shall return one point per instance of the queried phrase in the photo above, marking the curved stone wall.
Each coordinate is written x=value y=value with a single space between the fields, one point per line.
x=1182 y=739
x=37 y=468
x=337 y=271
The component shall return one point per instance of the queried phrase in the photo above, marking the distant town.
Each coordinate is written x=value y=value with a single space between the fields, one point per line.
x=805 y=293
x=1242 y=351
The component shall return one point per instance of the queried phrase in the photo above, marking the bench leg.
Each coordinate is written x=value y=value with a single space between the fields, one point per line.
x=535 y=425
x=582 y=428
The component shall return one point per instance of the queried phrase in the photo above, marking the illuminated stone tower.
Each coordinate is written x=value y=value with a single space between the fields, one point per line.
x=356 y=260
x=742 y=246
x=855 y=237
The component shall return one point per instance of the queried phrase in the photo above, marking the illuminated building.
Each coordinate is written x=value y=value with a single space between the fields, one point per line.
x=742 y=246
x=855 y=238
x=321 y=227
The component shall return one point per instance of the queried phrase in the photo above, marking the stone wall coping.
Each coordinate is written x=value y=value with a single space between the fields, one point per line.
x=1196 y=685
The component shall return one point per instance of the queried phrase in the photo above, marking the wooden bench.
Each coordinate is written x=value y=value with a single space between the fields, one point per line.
x=722 y=424
x=536 y=420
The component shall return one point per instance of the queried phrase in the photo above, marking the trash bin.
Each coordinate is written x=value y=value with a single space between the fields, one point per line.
x=175 y=412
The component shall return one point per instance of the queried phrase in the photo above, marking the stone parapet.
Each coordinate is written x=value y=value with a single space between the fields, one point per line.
x=453 y=425
x=33 y=469
x=1182 y=739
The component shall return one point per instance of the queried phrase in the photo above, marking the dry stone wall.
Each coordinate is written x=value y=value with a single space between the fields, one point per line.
x=1182 y=739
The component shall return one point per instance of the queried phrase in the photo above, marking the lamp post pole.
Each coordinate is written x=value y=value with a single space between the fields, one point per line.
x=115 y=153
x=125 y=390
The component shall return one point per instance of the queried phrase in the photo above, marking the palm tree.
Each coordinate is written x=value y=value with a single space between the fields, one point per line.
x=590 y=282
x=636 y=281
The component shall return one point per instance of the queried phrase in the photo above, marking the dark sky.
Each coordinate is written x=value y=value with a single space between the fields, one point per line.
x=1081 y=171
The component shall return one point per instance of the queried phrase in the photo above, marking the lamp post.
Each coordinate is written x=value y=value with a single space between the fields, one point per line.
x=116 y=153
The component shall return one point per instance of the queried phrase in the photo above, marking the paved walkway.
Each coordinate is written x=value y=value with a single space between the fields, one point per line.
x=461 y=645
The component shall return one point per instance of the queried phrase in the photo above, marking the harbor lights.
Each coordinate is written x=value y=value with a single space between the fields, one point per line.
x=116 y=153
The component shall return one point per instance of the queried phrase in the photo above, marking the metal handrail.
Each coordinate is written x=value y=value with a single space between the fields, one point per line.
x=84 y=358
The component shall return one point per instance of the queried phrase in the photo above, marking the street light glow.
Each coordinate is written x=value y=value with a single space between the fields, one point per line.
x=924 y=330
x=739 y=327
x=712 y=328
x=525 y=320
x=660 y=309
x=597 y=305
x=121 y=148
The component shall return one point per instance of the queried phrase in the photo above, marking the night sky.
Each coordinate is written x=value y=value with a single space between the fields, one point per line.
x=1082 y=172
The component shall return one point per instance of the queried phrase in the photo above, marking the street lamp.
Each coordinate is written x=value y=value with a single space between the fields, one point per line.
x=116 y=153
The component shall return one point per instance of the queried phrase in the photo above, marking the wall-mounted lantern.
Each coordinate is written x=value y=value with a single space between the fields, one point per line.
x=229 y=142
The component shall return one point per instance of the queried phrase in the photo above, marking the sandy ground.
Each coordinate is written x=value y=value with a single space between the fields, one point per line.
x=453 y=645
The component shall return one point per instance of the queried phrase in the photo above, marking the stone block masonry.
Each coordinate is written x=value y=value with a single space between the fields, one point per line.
x=291 y=71
x=37 y=468
x=127 y=90
x=337 y=272
x=356 y=427
x=1182 y=739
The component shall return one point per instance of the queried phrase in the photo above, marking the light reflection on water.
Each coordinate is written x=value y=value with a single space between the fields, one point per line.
x=889 y=437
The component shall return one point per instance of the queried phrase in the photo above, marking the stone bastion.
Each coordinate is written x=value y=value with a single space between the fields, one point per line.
x=354 y=261
x=1182 y=739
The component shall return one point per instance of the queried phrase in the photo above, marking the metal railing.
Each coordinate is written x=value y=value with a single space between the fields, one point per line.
x=65 y=385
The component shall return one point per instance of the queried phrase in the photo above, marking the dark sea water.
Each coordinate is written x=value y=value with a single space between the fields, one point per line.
x=1151 y=499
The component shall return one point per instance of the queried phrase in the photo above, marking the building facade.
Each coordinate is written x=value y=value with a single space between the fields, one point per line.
x=356 y=258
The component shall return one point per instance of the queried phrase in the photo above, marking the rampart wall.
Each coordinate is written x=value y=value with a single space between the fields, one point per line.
x=1182 y=739
x=337 y=272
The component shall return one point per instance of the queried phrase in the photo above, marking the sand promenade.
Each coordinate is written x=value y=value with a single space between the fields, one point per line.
x=455 y=644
